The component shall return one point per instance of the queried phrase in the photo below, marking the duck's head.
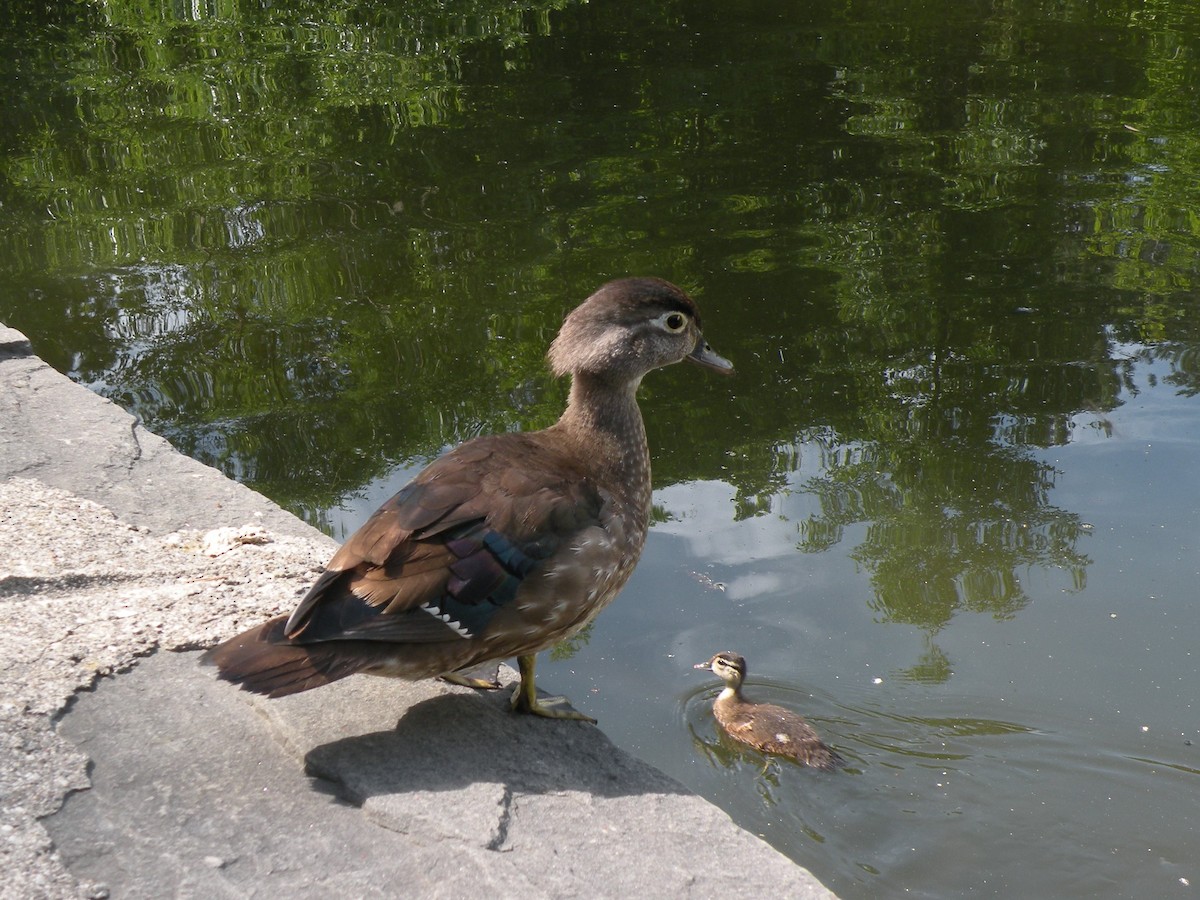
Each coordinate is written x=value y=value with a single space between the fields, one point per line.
x=727 y=666
x=630 y=327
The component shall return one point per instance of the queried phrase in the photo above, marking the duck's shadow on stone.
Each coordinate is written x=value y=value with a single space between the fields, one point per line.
x=452 y=741
x=462 y=766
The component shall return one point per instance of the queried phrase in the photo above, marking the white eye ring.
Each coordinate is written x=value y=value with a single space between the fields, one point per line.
x=673 y=322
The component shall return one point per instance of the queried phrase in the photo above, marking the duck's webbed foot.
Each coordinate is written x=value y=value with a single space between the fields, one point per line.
x=525 y=700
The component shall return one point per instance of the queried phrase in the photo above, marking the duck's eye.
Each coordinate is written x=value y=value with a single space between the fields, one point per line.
x=675 y=321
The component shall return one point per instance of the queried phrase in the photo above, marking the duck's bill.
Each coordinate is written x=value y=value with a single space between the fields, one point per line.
x=706 y=356
x=702 y=666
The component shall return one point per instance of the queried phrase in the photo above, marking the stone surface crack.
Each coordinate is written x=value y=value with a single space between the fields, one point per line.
x=500 y=838
x=137 y=445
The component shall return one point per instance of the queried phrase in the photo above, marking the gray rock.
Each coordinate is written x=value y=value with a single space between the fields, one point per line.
x=13 y=342
x=376 y=788
x=68 y=437
x=114 y=549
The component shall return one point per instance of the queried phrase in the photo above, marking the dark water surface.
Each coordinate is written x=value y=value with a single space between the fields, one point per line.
x=950 y=506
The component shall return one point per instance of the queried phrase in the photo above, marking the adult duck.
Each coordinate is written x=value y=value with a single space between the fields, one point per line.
x=505 y=545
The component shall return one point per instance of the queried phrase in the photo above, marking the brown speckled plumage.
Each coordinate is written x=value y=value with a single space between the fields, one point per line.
x=764 y=726
x=505 y=545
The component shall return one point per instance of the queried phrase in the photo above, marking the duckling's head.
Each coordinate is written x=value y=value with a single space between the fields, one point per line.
x=727 y=666
x=630 y=327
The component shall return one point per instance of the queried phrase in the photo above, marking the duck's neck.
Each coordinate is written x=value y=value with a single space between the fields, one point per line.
x=603 y=420
x=730 y=693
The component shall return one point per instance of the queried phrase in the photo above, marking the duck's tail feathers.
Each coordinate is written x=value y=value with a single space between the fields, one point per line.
x=263 y=661
x=826 y=758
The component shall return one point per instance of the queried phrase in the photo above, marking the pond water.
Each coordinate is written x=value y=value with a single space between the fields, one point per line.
x=949 y=508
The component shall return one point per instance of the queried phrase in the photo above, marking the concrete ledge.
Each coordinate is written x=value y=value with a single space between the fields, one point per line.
x=113 y=548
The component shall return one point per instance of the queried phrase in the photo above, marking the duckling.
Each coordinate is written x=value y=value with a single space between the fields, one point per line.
x=507 y=544
x=764 y=726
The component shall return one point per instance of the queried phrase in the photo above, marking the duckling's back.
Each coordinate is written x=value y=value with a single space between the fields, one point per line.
x=773 y=729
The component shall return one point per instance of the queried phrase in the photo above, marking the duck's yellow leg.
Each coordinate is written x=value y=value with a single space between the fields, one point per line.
x=524 y=698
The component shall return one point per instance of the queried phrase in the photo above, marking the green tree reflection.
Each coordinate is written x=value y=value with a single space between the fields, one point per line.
x=310 y=241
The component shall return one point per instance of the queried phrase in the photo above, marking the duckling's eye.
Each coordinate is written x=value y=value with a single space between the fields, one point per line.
x=675 y=322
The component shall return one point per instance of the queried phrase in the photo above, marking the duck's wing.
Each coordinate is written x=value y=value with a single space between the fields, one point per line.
x=438 y=560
